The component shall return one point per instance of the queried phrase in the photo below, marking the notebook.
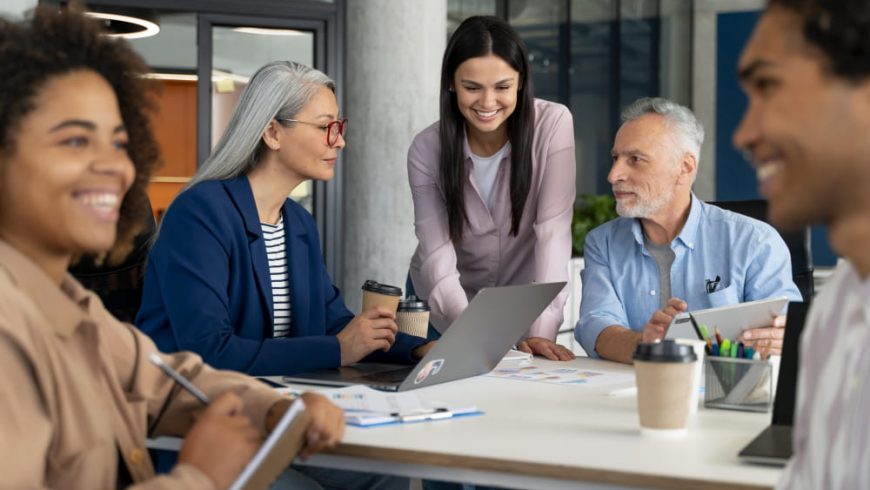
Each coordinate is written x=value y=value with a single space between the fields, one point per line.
x=475 y=342
x=773 y=445
x=277 y=451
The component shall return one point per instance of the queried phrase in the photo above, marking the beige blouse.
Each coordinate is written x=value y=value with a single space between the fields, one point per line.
x=77 y=389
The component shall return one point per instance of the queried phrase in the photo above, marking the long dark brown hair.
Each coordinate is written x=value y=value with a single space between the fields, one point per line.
x=481 y=36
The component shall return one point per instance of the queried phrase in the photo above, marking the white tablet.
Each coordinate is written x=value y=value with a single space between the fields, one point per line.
x=731 y=320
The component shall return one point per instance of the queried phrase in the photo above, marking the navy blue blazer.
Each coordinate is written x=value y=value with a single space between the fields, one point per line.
x=208 y=290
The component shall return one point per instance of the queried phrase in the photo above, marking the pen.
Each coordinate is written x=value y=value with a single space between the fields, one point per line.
x=419 y=416
x=696 y=327
x=700 y=333
x=184 y=382
x=718 y=336
x=428 y=416
x=725 y=348
x=712 y=284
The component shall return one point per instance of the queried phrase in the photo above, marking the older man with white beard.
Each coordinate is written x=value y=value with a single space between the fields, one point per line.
x=669 y=251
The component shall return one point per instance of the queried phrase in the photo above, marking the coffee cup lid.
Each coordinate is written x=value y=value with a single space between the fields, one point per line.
x=377 y=287
x=664 y=351
x=413 y=303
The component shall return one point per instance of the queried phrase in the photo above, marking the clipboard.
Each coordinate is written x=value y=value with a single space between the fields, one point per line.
x=277 y=452
x=375 y=419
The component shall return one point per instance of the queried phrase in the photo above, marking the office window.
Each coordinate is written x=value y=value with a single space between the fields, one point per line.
x=459 y=10
x=542 y=26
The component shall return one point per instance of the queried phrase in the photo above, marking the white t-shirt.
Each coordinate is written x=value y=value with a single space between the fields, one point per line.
x=485 y=170
x=832 y=419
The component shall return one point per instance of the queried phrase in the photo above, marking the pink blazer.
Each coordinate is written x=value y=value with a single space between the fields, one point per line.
x=448 y=275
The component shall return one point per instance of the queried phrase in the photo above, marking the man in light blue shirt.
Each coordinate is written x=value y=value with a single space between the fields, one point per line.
x=669 y=251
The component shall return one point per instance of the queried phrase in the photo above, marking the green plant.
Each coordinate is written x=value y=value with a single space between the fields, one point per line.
x=589 y=212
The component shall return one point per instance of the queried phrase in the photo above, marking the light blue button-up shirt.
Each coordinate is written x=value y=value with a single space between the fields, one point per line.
x=621 y=279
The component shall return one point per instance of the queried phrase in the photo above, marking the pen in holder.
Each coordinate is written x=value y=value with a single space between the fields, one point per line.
x=738 y=384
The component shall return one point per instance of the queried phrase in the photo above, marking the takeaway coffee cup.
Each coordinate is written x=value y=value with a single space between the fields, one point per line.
x=377 y=294
x=698 y=347
x=665 y=378
x=413 y=316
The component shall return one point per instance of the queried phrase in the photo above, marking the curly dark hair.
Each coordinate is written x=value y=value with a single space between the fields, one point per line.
x=840 y=28
x=51 y=42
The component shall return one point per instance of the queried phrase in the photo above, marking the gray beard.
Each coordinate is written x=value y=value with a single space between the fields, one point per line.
x=644 y=209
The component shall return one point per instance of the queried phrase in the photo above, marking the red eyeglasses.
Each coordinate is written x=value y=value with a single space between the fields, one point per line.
x=333 y=129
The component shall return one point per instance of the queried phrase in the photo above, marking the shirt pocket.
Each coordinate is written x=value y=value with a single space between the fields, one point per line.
x=726 y=296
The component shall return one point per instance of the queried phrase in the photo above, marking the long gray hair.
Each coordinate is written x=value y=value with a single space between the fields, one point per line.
x=280 y=90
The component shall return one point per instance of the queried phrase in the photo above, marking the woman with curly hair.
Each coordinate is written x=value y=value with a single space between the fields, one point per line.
x=79 y=396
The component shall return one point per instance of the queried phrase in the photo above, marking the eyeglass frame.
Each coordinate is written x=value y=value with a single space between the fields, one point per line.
x=340 y=123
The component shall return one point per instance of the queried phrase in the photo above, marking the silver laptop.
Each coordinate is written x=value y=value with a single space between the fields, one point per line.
x=773 y=445
x=475 y=342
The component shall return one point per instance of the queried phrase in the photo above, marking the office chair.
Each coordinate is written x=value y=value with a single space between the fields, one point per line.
x=119 y=286
x=798 y=243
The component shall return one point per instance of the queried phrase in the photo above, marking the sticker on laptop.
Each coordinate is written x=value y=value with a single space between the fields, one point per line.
x=431 y=368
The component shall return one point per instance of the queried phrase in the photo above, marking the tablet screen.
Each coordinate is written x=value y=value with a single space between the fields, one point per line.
x=731 y=320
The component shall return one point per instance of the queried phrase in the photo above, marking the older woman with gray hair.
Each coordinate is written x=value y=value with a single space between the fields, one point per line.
x=236 y=273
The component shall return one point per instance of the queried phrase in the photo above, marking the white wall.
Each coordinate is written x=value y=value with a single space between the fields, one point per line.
x=393 y=63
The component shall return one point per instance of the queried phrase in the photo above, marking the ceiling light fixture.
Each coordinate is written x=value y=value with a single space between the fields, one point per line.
x=125 y=26
x=270 y=32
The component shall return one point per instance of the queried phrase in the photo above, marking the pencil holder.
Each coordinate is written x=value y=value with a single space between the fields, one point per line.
x=738 y=384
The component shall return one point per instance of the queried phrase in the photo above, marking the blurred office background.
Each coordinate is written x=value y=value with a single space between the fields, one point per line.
x=594 y=56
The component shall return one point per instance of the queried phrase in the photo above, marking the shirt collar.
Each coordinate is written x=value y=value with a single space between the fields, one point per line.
x=66 y=306
x=690 y=229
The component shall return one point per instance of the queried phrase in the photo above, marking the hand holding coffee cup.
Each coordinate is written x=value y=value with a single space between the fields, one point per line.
x=665 y=380
x=373 y=329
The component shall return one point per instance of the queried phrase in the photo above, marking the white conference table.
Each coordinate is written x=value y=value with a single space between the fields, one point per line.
x=547 y=436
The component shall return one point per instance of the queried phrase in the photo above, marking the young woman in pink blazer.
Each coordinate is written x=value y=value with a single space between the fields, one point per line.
x=492 y=183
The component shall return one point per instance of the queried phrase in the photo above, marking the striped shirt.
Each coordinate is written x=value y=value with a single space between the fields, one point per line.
x=277 y=255
x=832 y=420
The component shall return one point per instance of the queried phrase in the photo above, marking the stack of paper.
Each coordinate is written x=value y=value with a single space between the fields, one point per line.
x=561 y=375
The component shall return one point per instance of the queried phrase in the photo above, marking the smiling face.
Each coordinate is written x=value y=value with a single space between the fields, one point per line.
x=645 y=175
x=302 y=147
x=62 y=186
x=804 y=128
x=486 y=93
